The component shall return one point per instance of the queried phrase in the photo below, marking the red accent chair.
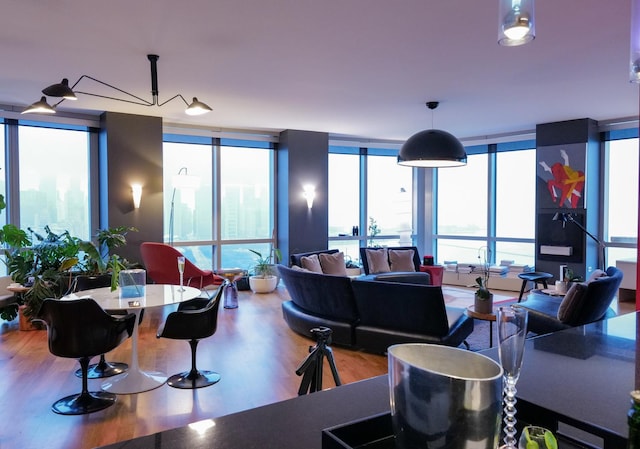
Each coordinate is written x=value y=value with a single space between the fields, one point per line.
x=160 y=261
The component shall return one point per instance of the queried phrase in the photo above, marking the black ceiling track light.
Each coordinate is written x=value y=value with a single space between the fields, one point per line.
x=63 y=91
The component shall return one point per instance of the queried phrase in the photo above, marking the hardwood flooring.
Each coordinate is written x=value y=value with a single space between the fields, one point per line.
x=253 y=350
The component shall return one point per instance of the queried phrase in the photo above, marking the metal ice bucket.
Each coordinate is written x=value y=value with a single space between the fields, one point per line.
x=443 y=397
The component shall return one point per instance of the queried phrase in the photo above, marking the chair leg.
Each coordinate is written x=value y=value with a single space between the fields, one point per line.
x=85 y=401
x=103 y=369
x=193 y=378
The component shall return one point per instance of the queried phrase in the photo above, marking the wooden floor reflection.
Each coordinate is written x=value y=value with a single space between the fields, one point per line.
x=253 y=350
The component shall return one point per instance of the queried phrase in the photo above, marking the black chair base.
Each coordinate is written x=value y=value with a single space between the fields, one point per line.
x=83 y=403
x=189 y=380
x=103 y=369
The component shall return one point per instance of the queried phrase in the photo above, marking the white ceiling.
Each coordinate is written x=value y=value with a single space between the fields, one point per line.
x=361 y=68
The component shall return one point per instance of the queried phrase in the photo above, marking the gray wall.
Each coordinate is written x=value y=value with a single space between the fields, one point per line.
x=302 y=159
x=131 y=152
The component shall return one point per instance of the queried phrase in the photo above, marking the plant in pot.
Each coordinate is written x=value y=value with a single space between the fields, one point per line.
x=483 y=298
x=40 y=262
x=264 y=278
x=100 y=260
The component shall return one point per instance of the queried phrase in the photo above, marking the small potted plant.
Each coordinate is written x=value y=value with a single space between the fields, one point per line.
x=483 y=298
x=264 y=278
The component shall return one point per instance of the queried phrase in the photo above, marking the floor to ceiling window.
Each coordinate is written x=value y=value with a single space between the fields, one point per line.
x=381 y=208
x=344 y=203
x=54 y=180
x=621 y=196
x=389 y=201
x=462 y=210
x=222 y=195
x=490 y=202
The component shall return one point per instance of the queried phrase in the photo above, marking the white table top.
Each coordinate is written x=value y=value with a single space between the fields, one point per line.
x=155 y=295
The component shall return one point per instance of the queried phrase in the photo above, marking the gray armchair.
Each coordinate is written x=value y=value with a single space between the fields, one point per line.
x=584 y=303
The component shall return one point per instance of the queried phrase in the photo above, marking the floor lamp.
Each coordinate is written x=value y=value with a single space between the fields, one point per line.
x=568 y=218
x=181 y=181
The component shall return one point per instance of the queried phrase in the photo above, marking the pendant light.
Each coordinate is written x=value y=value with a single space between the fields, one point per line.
x=516 y=23
x=432 y=148
x=634 y=54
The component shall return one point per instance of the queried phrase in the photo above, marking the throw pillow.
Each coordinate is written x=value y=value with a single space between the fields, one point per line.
x=378 y=261
x=311 y=263
x=333 y=264
x=571 y=302
x=401 y=260
x=297 y=268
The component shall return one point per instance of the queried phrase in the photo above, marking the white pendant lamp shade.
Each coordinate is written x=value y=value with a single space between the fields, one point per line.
x=634 y=54
x=516 y=22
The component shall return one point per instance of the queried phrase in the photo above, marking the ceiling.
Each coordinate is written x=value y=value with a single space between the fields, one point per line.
x=361 y=68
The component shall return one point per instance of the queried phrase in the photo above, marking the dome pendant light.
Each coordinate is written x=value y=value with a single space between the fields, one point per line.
x=516 y=24
x=432 y=148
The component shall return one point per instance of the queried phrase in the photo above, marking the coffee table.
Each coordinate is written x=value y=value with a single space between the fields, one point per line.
x=135 y=380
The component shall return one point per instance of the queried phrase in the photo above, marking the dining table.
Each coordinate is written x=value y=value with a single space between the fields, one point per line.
x=135 y=379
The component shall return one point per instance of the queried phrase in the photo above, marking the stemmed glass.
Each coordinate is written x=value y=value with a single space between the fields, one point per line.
x=512 y=329
x=181 y=271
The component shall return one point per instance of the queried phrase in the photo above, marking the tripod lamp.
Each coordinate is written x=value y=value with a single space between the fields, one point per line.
x=180 y=181
x=565 y=218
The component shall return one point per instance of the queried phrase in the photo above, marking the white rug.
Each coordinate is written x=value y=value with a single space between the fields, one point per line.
x=463 y=297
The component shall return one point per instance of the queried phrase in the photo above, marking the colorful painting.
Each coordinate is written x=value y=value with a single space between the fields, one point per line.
x=561 y=176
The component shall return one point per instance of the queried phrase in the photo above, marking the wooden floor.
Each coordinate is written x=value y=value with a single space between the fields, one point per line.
x=253 y=350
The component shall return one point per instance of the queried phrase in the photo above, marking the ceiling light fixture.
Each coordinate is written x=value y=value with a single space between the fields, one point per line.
x=634 y=56
x=40 y=106
x=432 y=148
x=516 y=24
x=62 y=90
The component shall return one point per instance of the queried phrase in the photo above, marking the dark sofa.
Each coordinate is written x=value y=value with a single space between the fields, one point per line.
x=369 y=314
x=592 y=304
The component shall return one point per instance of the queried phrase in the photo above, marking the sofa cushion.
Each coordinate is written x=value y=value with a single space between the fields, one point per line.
x=401 y=259
x=572 y=302
x=295 y=258
x=333 y=264
x=377 y=260
x=311 y=263
x=323 y=295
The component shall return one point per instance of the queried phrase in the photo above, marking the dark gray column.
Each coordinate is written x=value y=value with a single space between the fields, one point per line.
x=131 y=152
x=303 y=158
x=568 y=157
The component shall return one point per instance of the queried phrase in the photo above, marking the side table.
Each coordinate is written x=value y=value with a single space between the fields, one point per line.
x=490 y=317
x=435 y=271
x=230 y=288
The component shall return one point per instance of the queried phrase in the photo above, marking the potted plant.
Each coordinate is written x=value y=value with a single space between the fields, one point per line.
x=99 y=260
x=483 y=298
x=264 y=278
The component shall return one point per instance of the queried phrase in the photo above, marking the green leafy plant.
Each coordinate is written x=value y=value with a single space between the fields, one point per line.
x=263 y=266
x=373 y=232
x=101 y=259
x=482 y=281
x=349 y=263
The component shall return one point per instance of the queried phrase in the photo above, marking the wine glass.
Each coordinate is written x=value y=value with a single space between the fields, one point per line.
x=534 y=437
x=181 y=271
x=512 y=329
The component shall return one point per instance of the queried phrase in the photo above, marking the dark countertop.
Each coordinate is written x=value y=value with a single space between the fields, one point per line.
x=294 y=423
x=579 y=376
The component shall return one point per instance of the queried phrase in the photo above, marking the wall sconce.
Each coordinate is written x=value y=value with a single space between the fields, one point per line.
x=136 y=191
x=309 y=193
